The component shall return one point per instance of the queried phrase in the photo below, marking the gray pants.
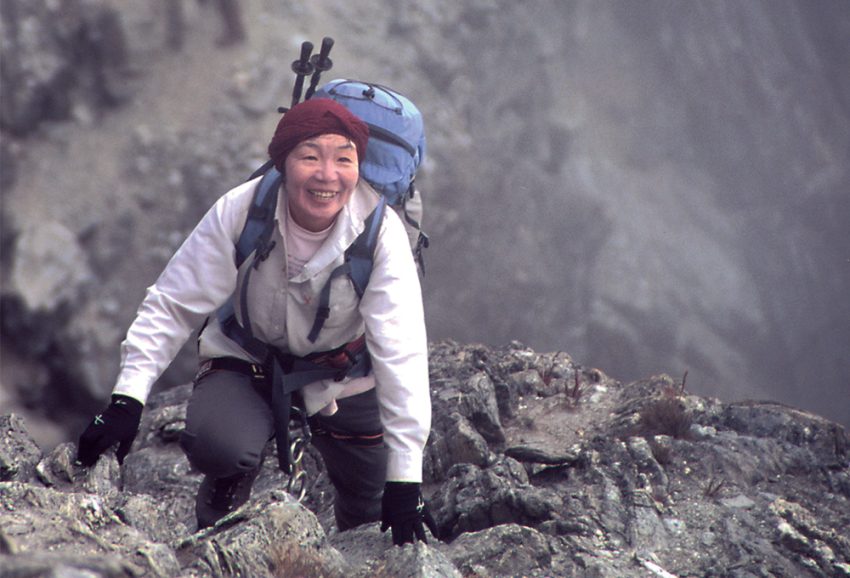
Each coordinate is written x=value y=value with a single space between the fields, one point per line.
x=229 y=421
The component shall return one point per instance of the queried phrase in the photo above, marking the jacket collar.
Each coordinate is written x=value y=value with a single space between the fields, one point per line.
x=348 y=225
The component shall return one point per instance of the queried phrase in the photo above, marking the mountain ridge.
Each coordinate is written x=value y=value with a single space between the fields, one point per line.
x=639 y=480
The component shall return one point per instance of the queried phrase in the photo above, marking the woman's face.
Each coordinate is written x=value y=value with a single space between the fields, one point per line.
x=321 y=174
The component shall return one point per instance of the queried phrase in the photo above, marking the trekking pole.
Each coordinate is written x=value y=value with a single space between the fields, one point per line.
x=301 y=68
x=321 y=63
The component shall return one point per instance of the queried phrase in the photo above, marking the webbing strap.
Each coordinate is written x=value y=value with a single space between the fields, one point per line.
x=261 y=255
x=256 y=236
x=230 y=326
x=383 y=134
x=422 y=242
x=243 y=302
x=373 y=222
x=367 y=439
x=258 y=226
x=290 y=374
x=324 y=311
x=283 y=384
x=262 y=170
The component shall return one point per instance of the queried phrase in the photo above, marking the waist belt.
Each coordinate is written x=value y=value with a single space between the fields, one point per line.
x=370 y=439
x=230 y=364
x=290 y=373
x=340 y=357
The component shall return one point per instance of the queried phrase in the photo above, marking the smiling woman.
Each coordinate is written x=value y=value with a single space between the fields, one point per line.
x=361 y=377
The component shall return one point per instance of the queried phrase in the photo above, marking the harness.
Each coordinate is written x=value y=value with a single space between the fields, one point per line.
x=289 y=373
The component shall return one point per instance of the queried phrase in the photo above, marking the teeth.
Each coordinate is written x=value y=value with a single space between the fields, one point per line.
x=323 y=194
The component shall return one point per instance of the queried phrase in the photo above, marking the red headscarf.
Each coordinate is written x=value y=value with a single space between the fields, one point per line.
x=315 y=117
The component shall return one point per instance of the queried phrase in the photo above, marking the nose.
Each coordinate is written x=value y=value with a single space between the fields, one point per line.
x=327 y=170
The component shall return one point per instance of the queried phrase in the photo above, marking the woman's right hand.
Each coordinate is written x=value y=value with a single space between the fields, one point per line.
x=119 y=423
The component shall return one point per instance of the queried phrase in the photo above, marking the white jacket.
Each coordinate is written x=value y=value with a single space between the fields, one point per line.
x=201 y=276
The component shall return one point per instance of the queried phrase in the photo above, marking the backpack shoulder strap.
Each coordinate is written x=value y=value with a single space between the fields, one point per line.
x=255 y=236
x=260 y=223
x=358 y=265
x=361 y=253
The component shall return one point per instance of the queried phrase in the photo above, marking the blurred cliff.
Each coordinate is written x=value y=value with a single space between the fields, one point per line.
x=653 y=187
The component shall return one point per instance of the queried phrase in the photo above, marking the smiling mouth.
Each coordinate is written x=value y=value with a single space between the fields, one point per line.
x=324 y=195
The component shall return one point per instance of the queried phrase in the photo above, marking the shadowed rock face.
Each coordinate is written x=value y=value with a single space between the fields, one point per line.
x=536 y=466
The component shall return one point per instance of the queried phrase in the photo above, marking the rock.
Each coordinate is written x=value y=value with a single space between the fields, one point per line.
x=769 y=494
x=464 y=444
x=475 y=499
x=506 y=550
x=416 y=561
x=50 y=529
x=60 y=60
x=371 y=554
x=59 y=468
x=478 y=403
x=19 y=455
x=739 y=501
x=269 y=533
x=540 y=455
x=50 y=268
x=823 y=437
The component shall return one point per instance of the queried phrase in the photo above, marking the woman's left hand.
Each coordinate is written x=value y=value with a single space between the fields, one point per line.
x=404 y=510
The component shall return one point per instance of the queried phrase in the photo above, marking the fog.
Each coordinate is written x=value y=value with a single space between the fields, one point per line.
x=657 y=188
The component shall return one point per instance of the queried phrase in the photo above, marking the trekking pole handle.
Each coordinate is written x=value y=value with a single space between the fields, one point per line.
x=320 y=63
x=301 y=68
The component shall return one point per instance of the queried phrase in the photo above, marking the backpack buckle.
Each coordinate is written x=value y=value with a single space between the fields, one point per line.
x=263 y=254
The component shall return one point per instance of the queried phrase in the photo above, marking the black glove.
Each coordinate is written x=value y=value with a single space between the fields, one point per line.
x=119 y=423
x=404 y=510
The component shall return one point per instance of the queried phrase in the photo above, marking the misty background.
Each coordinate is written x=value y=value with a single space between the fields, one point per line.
x=651 y=187
x=660 y=187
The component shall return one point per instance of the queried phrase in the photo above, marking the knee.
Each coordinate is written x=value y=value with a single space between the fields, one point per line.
x=218 y=457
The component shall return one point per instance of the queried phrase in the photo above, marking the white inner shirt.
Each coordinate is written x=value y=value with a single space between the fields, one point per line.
x=301 y=245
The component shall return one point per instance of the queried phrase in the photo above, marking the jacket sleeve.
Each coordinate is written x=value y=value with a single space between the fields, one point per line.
x=197 y=280
x=395 y=331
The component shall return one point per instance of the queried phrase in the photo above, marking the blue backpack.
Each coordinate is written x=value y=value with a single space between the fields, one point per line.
x=395 y=151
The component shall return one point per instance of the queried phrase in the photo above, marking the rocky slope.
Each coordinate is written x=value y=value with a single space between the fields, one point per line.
x=536 y=466
x=653 y=189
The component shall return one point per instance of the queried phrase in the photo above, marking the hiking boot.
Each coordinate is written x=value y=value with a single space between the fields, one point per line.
x=217 y=497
